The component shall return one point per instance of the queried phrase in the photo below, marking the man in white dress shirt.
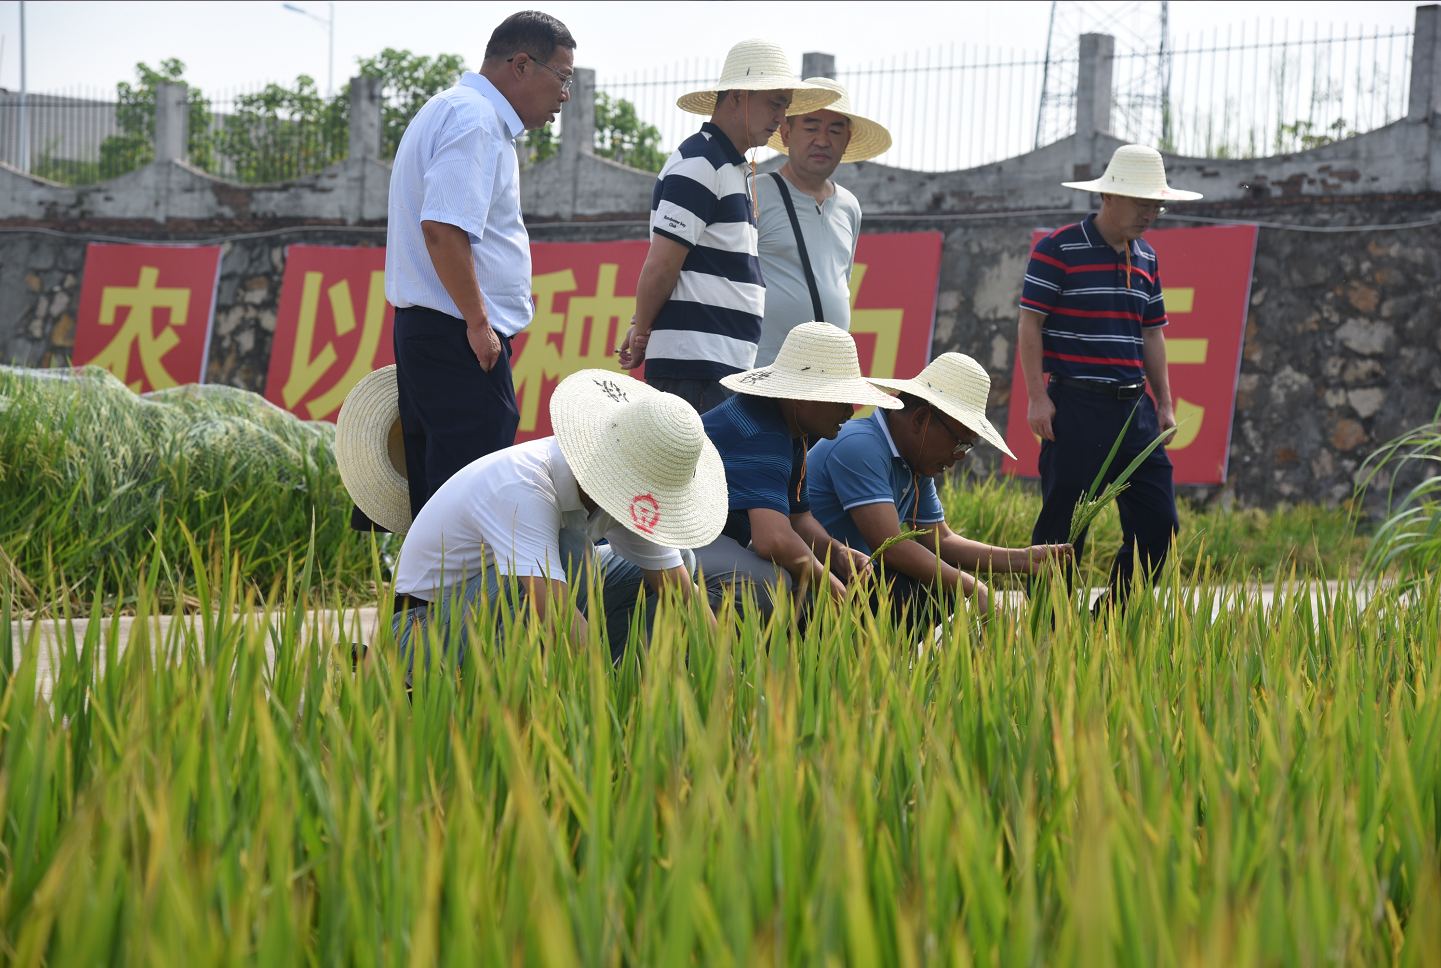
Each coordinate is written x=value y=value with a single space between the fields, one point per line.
x=457 y=263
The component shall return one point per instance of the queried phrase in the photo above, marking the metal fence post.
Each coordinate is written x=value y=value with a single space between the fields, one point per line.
x=1093 y=84
x=365 y=116
x=1425 y=64
x=172 y=122
x=816 y=64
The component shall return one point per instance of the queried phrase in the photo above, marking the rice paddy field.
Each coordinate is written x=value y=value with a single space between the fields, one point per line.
x=1203 y=780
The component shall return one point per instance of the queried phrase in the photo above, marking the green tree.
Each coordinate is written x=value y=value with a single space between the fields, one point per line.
x=284 y=132
x=410 y=81
x=622 y=136
x=134 y=145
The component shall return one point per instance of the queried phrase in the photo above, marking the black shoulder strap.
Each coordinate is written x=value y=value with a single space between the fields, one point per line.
x=800 y=245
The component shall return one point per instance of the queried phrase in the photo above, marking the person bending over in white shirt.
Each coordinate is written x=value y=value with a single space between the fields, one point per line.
x=628 y=463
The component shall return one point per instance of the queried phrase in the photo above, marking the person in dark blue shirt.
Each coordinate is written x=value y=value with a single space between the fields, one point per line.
x=771 y=541
x=876 y=480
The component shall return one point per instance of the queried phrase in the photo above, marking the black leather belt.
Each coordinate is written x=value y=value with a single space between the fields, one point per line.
x=403 y=602
x=1115 y=391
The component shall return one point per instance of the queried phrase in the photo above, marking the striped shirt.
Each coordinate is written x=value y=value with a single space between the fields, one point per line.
x=456 y=164
x=1095 y=309
x=765 y=465
x=710 y=325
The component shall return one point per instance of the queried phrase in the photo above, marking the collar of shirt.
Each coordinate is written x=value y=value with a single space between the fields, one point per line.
x=1098 y=241
x=476 y=82
x=567 y=495
x=880 y=418
x=722 y=139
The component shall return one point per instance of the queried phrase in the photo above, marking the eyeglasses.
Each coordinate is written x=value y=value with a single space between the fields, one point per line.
x=1150 y=208
x=962 y=448
x=565 y=79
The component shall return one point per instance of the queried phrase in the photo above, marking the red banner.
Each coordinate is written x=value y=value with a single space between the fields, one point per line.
x=333 y=327
x=1206 y=277
x=146 y=311
x=585 y=295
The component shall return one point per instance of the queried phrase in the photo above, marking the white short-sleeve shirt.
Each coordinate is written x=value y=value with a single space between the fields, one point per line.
x=504 y=512
x=456 y=164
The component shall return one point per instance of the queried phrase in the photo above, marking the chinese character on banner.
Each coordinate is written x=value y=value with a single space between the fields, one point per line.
x=585 y=295
x=145 y=312
x=333 y=328
x=893 y=302
x=1206 y=280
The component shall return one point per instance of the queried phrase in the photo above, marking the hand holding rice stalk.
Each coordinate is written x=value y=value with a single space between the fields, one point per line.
x=1090 y=507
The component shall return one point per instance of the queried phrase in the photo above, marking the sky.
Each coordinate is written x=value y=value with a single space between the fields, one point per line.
x=86 y=47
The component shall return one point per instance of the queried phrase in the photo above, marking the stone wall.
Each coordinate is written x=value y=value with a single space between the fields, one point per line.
x=1342 y=348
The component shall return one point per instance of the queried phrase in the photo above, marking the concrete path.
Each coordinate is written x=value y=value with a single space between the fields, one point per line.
x=360 y=623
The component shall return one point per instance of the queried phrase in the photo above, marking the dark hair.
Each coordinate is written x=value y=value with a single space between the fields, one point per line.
x=910 y=403
x=720 y=98
x=531 y=32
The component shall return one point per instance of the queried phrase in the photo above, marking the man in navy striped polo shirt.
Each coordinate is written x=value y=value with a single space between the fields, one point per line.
x=1091 y=318
x=700 y=297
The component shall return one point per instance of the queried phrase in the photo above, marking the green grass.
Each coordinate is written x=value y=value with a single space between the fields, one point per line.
x=1168 y=788
x=1235 y=545
x=96 y=480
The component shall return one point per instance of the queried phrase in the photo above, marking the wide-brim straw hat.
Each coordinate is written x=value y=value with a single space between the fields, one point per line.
x=816 y=362
x=868 y=138
x=1136 y=172
x=643 y=456
x=960 y=387
x=370 y=451
x=758 y=65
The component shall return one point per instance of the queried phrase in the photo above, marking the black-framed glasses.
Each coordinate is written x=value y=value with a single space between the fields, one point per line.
x=962 y=448
x=565 y=79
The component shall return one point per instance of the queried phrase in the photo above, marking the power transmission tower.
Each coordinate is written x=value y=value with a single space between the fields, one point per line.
x=1141 y=85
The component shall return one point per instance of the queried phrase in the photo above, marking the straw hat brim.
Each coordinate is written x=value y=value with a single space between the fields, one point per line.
x=688 y=515
x=869 y=139
x=970 y=416
x=370 y=451
x=1166 y=194
x=785 y=384
x=805 y=97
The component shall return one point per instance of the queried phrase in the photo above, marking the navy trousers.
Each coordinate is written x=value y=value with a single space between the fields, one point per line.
x=452 y=412
x=1086 y=425
x=702 y=394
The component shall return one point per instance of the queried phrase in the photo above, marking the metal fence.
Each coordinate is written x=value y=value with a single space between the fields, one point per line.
x=249 y=135
x=67 y=131
x=1257 y=89
x=1262 y=89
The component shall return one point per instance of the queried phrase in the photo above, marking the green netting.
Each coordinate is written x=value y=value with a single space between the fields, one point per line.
x=89 y=471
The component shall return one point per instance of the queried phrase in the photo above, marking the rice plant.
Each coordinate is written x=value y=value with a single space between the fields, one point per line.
x=95 y=479
x=1198 y=781
x=1409 y=538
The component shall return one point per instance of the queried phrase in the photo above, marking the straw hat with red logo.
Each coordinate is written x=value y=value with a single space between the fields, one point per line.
x=643 y=456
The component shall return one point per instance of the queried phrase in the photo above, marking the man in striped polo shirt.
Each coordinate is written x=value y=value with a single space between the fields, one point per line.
x=1091 y=318
x=700 y=297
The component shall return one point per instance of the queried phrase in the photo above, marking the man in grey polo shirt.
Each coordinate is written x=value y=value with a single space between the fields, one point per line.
x=821 y=223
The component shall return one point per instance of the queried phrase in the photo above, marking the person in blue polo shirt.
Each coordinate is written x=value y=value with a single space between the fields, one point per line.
x=771 y=541
x=1091 y=318
x=701 y=296
x=876 y=479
